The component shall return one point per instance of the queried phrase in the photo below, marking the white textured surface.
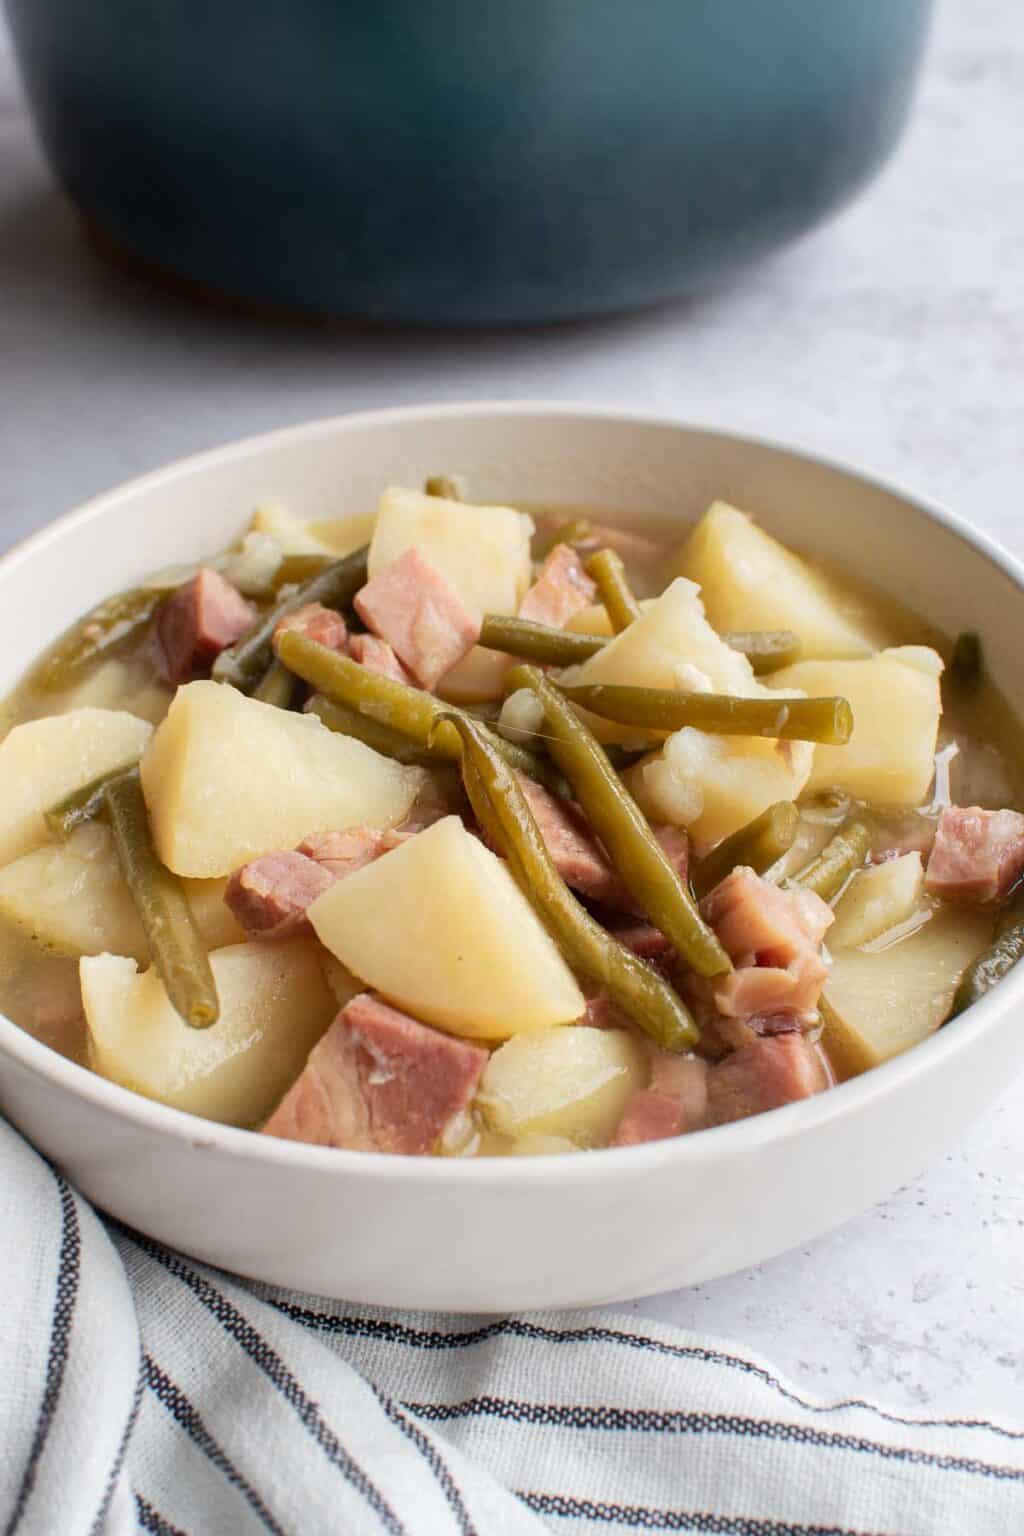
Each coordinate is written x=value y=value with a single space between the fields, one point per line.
x=894 y=338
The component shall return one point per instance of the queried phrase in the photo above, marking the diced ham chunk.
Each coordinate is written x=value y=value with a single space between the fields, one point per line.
x=379 y=1081
x=562 y=588
x=197 y=622
x=579 y=857
x=644 y=940
x=978 y=855
x=575 y=851
x=317 y=623
x=675 y=1101
x=342 y=853
x=269 y=895
x=420 y=615
x=377 y=656
x=773 y=938
x=764 y=1075
x=902 y=832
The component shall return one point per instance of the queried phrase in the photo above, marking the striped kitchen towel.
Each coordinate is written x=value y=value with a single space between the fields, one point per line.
x=141 y=1392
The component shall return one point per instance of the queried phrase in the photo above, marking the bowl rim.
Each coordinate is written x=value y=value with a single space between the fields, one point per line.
x=47 y=1065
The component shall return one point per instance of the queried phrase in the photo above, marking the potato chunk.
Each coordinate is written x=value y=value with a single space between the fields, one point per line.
x=569 y=1083
x=896 y=706
x=70 y=898
x=275 y=1005
x=876 y=900
x=44 y=760
x=672 y=632
x=751 y=581
x=227 y=778
x=881 y=1001
x=333 y=536
x=440 y=927
x=713 y=785
x=671 y=645
x=483 y=551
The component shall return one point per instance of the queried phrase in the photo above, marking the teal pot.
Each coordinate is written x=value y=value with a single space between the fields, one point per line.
x=464 y=162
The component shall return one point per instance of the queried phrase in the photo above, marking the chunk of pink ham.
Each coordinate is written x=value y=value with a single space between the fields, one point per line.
x=342 y=853
x=765 y=1074
x=978 y=855
x=377 y=656
x=421 y=616
x=562 y=588
x=773 y=938
x=643 y=939
x=269 y=895
x=675 y=1101
x=198 y=621
x=317 y=623
x=903 y=832
x=579 y=857
x=379 y=1081
x=575 y=851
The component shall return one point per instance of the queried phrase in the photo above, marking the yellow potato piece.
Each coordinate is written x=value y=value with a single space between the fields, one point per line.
x=880 y=1001
x=335 y=536
x=671 y=632
x=70 y=898
x=214 y=919
x=567 y=1083
x=483 y=551
x=274 y=1004
x=594 y=620
x=477 y=677
x=896 y=706
x=343 y=535
x=671 y=645
x=751 y=581
x=876 y=900
x=293 y=535
x=713 y=785
x=44 y=760
x=440 y=927
x=227 y=778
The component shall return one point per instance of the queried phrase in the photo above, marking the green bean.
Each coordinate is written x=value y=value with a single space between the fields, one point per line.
x=966 y=663
x=606 y=569
x=244 y=664
x=451 y=488
x=840 y=858
x=622 y=827
x=577 y=531
x=497 y=798
x=538 y=642
x=664 y=709
x=276 y=686
x=114 y=623
x=757 y=846
x=295 y=569
x=409 y=711
x=989 y=968
x=175 y=946
x=765 y=649
x=345 y=720
x=82 y=804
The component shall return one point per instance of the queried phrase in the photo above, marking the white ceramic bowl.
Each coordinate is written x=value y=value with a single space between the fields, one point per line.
x=522 y=1232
